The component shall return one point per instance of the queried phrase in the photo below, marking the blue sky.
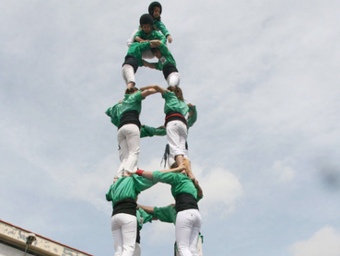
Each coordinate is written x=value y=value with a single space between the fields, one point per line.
x=264 y=76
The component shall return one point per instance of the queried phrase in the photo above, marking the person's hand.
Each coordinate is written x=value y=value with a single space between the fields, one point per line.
x=155 y=43
x=180 y=168
x=190 y=105
x=169 y=39
x=195 y=181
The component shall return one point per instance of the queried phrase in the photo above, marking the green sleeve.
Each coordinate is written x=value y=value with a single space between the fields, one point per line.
x=142 y=183
x=143 y=217
x=144 y=46
x=165 y=214
x=112 y=112
x=148 y=131
x=159 y=36
x=193 y=118
x=158 y=66
x=108 y=195
x=163 y=28
x=138 y=33
x=165 y=177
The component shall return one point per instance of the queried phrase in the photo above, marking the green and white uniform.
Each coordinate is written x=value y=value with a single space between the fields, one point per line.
x=134 y=54
x=123 y=194
x=177 y=125
x=188 y=220
x=125 y=116
x=133 y=60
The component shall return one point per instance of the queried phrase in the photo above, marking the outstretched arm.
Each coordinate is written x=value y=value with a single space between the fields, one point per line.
x=156 y=87
x=148 y=209
x=148 y=131
x=149 y=174
x=148 y=92
x=177 y=169
x=198 y=188
x=155 y=43
x=149 y=64
x=139 y=39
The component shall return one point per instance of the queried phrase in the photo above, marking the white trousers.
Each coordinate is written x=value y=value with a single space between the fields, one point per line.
x=188 y=226
x=128 y=74
x=129 y=147
x=173 y=79
x=124 y=231
x=177 y=134
x=137 y=251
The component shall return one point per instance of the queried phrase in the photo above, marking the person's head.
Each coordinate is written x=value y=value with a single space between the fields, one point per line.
x=174 y=165
x=146 y=23
x=131 y=90
x=177 y=91
x=155 y=9
x=156 y=52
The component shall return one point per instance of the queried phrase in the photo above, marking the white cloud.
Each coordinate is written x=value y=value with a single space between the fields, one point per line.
x=325 y=242
x=221 y=190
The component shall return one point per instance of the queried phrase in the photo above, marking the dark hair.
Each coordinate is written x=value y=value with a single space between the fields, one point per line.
x=177 y=91
x=152 y=7
x=146 y=19
x=131 y=90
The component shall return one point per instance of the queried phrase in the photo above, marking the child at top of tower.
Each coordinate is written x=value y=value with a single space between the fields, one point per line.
x=155 y=10
x=147 y=31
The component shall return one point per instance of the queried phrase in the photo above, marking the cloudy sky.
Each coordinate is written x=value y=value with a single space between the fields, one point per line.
x=264 y=76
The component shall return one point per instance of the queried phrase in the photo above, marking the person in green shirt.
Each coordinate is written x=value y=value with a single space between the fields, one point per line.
x=188 y=218
x=123 y=195
x=179 y=115
x=168 y=214
x=155 y=10
x=125 y=116
x=166 y=63
x=133 y=60
x=146 y=33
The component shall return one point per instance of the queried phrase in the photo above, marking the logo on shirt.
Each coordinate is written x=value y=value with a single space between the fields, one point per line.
x=162 y=60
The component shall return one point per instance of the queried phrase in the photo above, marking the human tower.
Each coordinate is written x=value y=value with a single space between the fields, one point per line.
x=128 y=217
